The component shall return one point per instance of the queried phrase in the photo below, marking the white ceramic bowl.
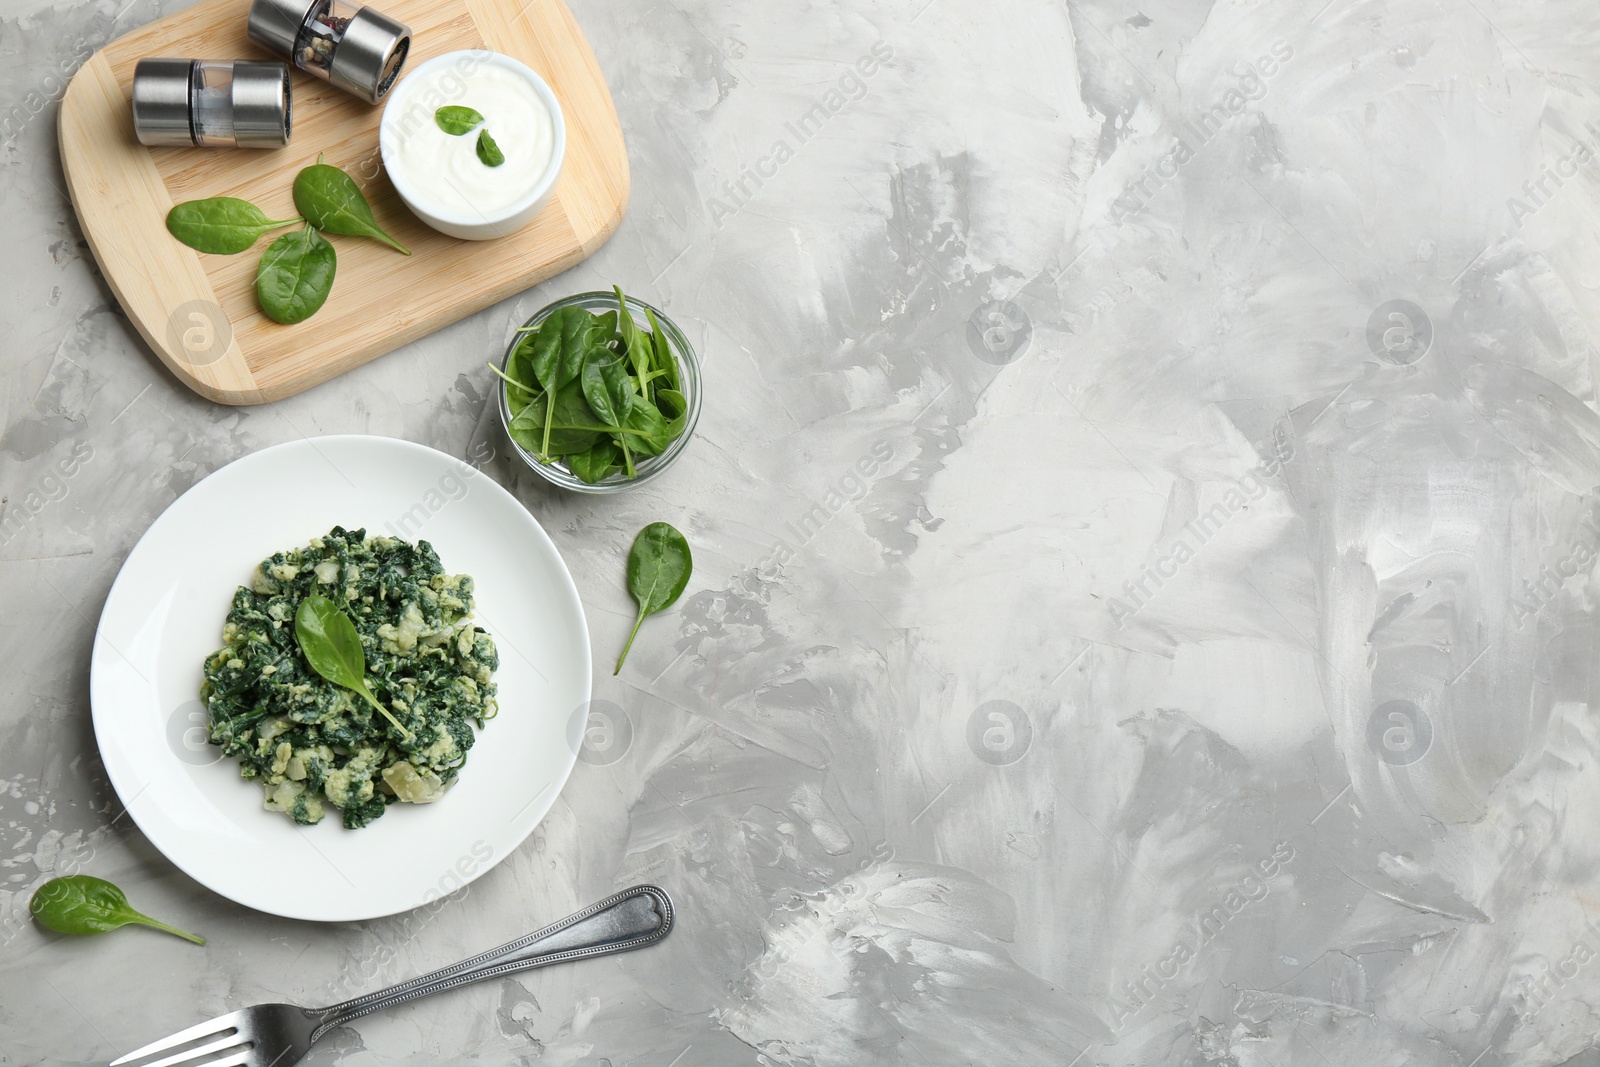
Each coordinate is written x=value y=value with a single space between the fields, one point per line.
x=476 y=225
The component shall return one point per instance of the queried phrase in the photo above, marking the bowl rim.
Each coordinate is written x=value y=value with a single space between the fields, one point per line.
x=540 y=190
x=559 y=476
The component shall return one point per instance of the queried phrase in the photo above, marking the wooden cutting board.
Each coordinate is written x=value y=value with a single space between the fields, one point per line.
x=198 y=312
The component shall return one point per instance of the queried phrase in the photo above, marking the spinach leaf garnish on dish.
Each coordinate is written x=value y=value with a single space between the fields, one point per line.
x=489 y=153
x=329 y=641
x=457 y=120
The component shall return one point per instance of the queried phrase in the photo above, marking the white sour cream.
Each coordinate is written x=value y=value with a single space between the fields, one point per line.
x=444 y=169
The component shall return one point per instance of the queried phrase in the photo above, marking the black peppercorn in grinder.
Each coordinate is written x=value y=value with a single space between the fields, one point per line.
x=359 y=49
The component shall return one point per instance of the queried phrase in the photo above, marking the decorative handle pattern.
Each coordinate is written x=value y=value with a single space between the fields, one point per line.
x=621 y=922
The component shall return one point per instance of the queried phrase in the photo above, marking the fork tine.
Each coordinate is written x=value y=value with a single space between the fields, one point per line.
x=194 y=1033
x=192 y=1054
x=245 y=1058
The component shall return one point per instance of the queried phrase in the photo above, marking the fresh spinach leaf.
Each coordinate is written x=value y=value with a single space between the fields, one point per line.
x=521 y=362
x=295 y=276
x=332 y=202
x=489 y=153
x=652 y=431
x=596 y=464
x=661 y=346
x=561 y=345
x=564 y=429
x=83 y=904
x=658 y=569
x=333 y=649
x=633 y=342
x=560 y=348
x=609 y=391
x=221 y=225
x=456 y=120
x=518 y=393
x=606 y=385
x=673 y=404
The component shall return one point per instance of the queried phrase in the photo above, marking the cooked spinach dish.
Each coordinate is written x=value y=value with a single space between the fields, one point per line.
x=351 y=675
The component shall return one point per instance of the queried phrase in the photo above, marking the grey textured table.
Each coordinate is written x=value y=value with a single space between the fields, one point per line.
x=1146 y=535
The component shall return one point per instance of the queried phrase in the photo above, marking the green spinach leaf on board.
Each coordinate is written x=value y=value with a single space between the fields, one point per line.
x=295 y=276
x=221 y=225
x=331 y=201
x=659 y=566
x=84 y=904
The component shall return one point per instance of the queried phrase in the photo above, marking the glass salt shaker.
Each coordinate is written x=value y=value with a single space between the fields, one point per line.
x=211 y=103
x=359 y=49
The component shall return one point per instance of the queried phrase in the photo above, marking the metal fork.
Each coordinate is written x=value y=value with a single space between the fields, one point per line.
x=279 y=1035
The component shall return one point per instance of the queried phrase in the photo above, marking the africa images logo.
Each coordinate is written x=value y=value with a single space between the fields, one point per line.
x=850 y=88
x=1206 y=926
x=1251 y=84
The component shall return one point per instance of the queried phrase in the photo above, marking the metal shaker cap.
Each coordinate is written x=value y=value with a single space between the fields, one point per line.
x=362 y=56
x=262 y=104
x=275 y=24
x=369 y=56
x=161 y=102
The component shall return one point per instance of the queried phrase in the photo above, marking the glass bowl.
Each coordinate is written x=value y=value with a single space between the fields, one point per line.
x=648 y=467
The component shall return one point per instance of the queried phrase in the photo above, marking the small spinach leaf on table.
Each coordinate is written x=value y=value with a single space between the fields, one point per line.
x=84 y=904
x=658 y=570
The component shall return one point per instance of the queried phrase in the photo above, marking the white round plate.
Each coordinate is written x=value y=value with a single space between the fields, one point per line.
x=165 y=615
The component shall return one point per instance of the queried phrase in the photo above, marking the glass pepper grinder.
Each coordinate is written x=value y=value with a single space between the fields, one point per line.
x=359 y=49
x=211 y=103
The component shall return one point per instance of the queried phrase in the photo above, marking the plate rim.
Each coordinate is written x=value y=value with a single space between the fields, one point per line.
x=96 y=680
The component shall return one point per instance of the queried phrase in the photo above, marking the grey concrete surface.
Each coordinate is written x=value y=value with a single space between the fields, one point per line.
x=1146 y=533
